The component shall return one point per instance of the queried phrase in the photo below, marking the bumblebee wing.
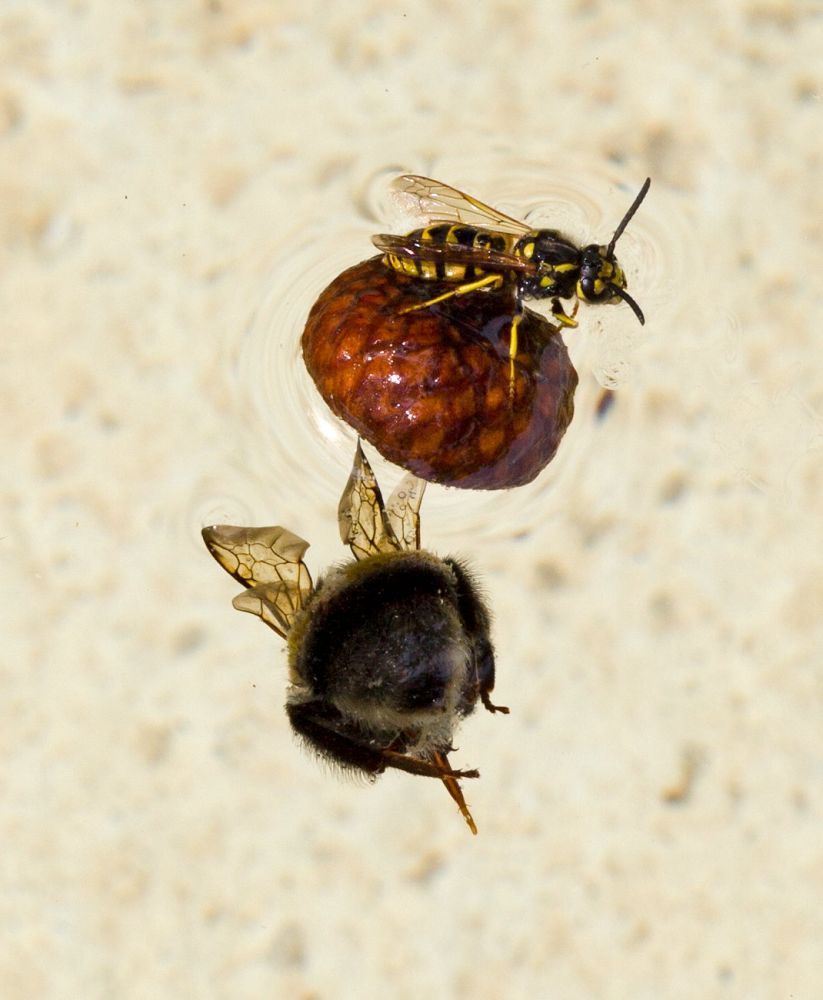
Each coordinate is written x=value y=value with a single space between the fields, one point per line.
x=403 y=511
x=361 y=514
x=269 y=562
x=451 y=253
x=438 y=202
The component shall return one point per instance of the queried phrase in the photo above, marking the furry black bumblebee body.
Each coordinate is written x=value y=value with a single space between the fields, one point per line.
x=387 y=653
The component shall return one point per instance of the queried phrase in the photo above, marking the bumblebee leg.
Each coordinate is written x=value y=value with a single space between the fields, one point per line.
x=560 y=315
x=439 y=768
x=456 y=792
x=490 y=281
x=489 y=706
x=326 y=732
x=332 y=737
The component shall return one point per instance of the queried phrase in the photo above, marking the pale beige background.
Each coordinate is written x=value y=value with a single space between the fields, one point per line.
x=177 y=181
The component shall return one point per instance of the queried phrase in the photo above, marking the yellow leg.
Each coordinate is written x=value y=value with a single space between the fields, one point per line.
x=489 y=281
x=513 y=351
x=559 y=314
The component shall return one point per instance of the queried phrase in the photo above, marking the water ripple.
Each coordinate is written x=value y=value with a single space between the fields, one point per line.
x=300 y=445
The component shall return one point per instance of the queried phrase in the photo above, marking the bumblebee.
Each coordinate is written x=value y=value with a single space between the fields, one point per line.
x=387 y=653
x=476 y=247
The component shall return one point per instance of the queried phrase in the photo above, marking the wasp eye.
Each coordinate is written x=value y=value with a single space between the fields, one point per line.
x=592 y=288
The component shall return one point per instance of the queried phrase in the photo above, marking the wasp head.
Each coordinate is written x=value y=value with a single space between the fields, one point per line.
x=601 y=278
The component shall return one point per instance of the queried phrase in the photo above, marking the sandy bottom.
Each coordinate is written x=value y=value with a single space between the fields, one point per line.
x=177 y=183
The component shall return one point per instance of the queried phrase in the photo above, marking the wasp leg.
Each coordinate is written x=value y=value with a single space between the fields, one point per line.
x=560 y=315
x=513 y=349
x=490 y=281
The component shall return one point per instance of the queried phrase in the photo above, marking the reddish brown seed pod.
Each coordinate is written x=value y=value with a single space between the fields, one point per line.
x=433 y=390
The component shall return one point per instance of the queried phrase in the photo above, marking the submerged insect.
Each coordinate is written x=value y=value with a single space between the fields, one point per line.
x=475 y=247
x=386 y=653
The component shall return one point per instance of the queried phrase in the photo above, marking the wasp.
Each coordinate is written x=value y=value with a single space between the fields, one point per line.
x=473 y=246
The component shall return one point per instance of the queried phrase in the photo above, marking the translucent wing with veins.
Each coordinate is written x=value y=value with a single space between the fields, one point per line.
x=269 y=562
x=370 y=527
x=403 y=511
x=435 y=201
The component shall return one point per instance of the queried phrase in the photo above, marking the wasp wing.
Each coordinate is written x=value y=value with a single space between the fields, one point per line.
x=403 y=511
x=361 y=514
x=451 y=253
x=439 y=202
x=269 y=562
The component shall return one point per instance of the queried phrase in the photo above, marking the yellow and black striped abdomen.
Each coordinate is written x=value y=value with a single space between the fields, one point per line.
x=439 y=266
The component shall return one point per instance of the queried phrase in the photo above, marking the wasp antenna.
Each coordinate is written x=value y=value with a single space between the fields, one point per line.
x=623 y=294
x=627 y=218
